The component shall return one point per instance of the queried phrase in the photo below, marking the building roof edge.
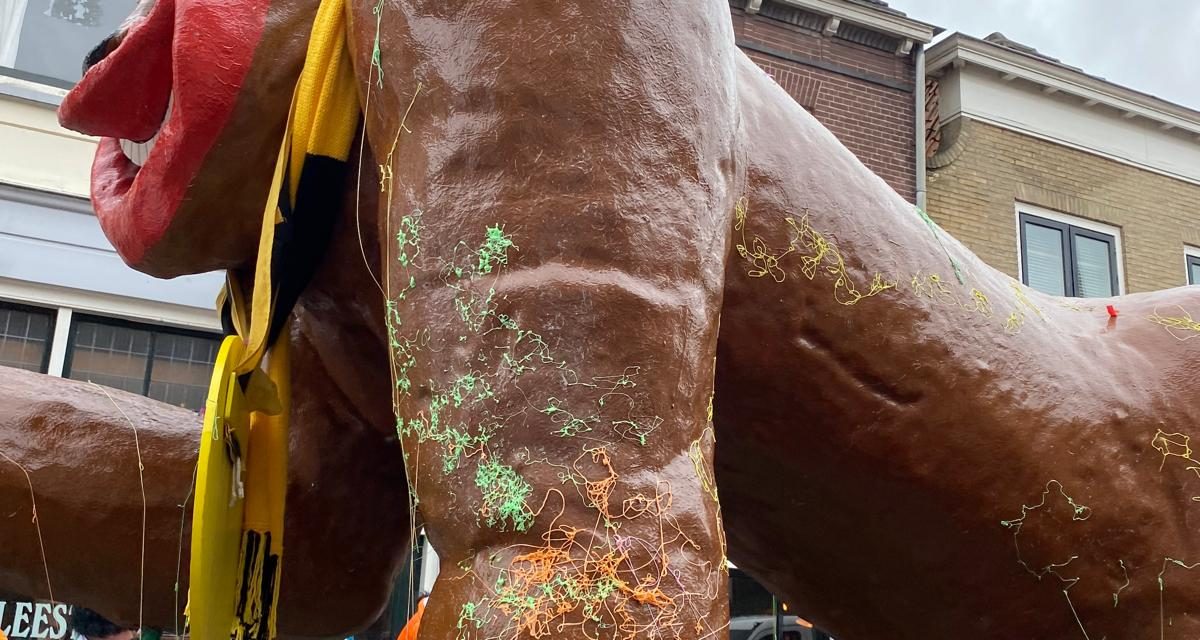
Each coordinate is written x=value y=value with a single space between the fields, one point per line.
x=959 y=49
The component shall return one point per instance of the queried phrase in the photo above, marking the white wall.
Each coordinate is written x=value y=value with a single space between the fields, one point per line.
x=67 y=249
x=52 y=251
x=983 y=95
x=34 y=151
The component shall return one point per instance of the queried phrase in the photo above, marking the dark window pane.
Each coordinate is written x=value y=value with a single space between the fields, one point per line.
x=1194 y=271
x=751 y=608
x=1045 y=264
x=182 y=368
x=171 y=367
x=1093 y=268
x=24 y=338
x=748 y=598
x=51 y=37
x=114 y=356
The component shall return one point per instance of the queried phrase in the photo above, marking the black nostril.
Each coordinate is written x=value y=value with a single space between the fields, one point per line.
x=100 y=51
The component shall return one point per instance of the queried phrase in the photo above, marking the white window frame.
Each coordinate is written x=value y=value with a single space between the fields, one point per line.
x=67 y=302
x=1189 y=252
x=1082 y=223
x=59 y=344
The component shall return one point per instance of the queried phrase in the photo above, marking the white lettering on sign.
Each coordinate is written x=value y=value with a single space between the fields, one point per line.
x=34 y=620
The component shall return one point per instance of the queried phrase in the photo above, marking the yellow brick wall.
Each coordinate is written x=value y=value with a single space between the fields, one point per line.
x=988 y=169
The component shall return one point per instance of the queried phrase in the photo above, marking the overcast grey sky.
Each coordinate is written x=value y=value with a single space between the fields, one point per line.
x=1148 y=45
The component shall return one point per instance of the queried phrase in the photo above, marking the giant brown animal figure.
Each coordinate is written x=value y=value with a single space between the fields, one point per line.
x=599 y=237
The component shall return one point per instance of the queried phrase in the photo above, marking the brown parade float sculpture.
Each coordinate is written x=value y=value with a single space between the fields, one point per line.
x=582 y=242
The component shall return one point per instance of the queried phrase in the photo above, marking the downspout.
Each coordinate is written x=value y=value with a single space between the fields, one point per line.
x=919 y=104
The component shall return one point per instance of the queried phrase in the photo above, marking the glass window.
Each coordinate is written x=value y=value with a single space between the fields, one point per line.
x=1066 y=260
x=181 y=369
x=1046 y=259
x=25 y=334
x=1193 y=263
x=171 y=366
x=1095 y=275
x=46 y=40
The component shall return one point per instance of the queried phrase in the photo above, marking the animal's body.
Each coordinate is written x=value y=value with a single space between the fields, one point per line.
x=600 y=240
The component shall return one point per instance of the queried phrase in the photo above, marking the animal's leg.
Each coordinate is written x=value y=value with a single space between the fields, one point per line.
x=560 y=181
x=346 y=531
x=81 y=457
x=965 y=457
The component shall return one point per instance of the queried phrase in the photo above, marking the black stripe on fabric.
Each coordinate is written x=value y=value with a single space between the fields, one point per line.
x=270 y=577
x=302 y=239
x=227 y=319
x=251 y=542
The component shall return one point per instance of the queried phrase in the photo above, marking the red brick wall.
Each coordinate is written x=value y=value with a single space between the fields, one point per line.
x=876 y=122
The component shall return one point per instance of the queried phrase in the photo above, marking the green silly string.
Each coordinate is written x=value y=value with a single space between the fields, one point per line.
x=494 y=250
x=505 y=495
x=376 y=57
x=936 y=231
x=467 y=620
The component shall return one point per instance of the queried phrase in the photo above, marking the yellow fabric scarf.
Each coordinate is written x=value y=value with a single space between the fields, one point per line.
x=241 y=481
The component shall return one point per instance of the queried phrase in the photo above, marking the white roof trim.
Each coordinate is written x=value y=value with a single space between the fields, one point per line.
x=102 y=304
x=874 y=19
x=39 y=198
x=959 y=49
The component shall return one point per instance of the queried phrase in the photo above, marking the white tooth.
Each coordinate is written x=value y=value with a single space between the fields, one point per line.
x=149 y=144
x=137 y=152
x=131 y=151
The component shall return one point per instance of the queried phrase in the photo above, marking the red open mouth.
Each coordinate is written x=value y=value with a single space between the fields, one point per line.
x=170 y=84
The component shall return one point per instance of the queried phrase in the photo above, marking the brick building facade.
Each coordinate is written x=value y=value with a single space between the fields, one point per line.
x=1025 y=138
x=856 y=77
x=973 y=198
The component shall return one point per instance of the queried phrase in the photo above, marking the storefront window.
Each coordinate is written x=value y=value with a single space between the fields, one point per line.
x=46 y=40
x=167 y=365
x=25 y=336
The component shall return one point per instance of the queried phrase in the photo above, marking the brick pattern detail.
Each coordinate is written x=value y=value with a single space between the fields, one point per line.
x=875 y=122
x=933 y=118
x=974 y=198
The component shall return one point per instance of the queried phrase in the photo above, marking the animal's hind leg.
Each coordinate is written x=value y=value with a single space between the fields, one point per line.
x=77 y=442
x=558 y=208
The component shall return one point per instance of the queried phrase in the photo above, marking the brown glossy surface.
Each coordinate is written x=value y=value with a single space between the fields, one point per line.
x=347 y=503
x=555 y=230
x=873 y=441
x=910 y=424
